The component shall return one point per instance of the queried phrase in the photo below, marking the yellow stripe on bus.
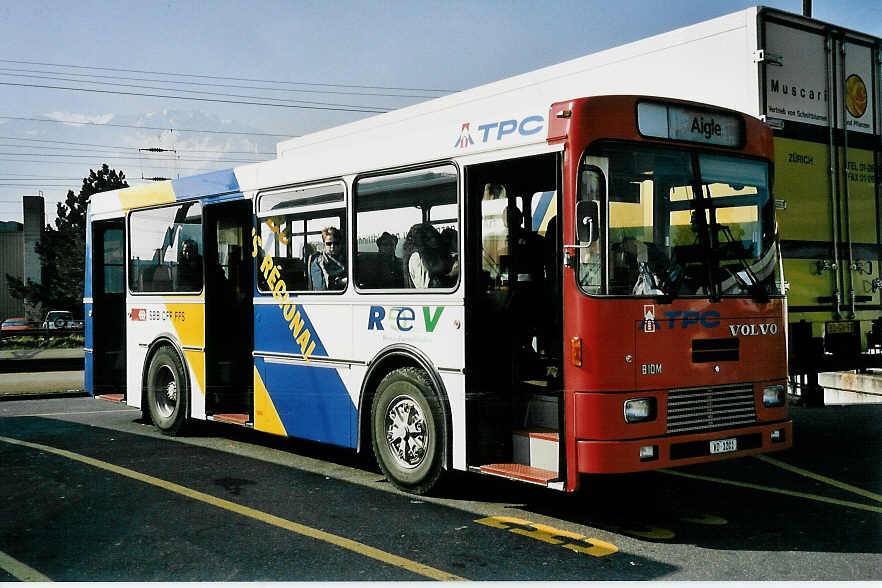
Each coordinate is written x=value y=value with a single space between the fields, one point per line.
x=343 y=542
x=196 y=361
x=146 y=195
x=266 y=417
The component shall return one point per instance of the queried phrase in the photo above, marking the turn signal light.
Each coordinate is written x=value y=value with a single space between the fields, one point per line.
x=576 y=351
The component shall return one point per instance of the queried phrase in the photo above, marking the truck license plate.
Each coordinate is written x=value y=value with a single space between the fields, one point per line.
x=723 y=445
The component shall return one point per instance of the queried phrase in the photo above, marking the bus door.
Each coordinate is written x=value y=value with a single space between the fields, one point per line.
x=514 y=337
x=228 y=311
x=108 y=307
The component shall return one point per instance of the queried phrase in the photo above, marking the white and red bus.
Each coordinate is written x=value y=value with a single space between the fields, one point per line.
x=477 y=284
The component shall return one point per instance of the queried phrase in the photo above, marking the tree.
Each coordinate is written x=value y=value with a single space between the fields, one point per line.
x=62 y=249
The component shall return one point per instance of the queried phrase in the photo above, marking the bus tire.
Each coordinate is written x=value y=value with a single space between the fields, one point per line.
x=409 y=432
x=168 y=391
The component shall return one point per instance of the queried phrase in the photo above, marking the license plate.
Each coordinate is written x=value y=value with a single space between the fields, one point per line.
x=723 y=446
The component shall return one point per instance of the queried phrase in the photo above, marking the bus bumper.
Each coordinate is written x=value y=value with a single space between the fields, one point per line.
x=619 y=457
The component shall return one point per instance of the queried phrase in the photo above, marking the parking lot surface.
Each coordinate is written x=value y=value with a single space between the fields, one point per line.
x=92 y=493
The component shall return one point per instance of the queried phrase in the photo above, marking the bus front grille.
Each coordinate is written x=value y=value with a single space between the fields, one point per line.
x=707 y=409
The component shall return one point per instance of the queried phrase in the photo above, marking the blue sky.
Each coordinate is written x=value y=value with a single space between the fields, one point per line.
x=421 y=46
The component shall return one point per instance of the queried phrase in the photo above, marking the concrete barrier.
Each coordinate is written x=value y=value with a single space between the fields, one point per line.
x=851 y=387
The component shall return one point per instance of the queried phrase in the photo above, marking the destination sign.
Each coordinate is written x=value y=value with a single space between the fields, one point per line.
x=680 y=123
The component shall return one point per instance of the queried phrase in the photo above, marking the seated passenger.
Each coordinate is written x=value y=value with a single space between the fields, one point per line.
x=426 y=257
x=451 y=239
x=328 y=269
x=389 y=271
x=189 y=267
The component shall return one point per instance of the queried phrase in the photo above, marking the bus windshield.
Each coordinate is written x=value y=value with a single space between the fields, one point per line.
x=683 y=223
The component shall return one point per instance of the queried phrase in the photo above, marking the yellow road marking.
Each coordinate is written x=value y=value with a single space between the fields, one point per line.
x=20 y=571
x=267 y=518
x=774 y=490
x=547 y=534
x=819 y=478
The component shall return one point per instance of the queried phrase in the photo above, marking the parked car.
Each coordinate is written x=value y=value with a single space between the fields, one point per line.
x=17 y=324
x=59 y=319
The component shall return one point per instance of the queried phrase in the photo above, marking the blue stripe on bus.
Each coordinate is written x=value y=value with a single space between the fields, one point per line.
x=311 y=402
x=87 y=283
x=541 y=209
x=219 y=182
x=273 y=333
x=89 y=327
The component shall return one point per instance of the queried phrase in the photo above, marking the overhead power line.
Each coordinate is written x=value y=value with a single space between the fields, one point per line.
x=235 y=79
x=130 y=158
x=109 y=161
x=27 y=73
x=171 y=128
x=228 y=95
x=245 y=102
x=84 y=145
x=131 y=150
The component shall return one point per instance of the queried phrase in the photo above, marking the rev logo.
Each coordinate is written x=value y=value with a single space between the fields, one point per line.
x=402 y=318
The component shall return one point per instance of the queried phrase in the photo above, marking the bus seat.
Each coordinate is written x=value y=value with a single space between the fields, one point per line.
x=162 y=279
x=293 y=272
x=367 y=268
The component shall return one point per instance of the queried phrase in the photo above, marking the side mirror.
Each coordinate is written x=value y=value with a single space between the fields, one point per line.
x=588 y=221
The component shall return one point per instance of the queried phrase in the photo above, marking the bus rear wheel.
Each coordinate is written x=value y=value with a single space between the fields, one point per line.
x=409 y=432
x=167 y=391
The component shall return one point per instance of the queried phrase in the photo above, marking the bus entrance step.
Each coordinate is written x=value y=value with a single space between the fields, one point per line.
x=236 y=419
x=538 y=448
x=519 y=471
x=112 y=397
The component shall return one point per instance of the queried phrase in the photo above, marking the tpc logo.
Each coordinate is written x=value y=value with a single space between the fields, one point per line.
x=465 y=137
x=497 y=131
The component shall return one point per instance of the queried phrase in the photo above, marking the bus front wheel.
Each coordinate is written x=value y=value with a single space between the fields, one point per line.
x=409 y=430
x=167 y=391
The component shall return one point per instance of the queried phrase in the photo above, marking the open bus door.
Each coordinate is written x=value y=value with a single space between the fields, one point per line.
x=108 y=309
x=229 y=319
x=514 y=338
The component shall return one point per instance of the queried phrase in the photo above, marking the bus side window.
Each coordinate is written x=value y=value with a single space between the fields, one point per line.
x=289 y=226
x=407 y=230
x=293 y=242
x=166 y=249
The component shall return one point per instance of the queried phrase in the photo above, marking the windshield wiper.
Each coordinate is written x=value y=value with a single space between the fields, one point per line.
x=752 y=285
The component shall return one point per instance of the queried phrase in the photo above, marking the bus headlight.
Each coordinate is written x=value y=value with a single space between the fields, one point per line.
x=773 y=396
x=638 y=410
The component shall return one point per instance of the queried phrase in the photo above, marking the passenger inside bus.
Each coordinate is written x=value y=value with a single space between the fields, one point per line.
x=451 y=239
x=389 y=272
x=189 y=267
x=426 y=257
x=632 y=268
x=328 y=269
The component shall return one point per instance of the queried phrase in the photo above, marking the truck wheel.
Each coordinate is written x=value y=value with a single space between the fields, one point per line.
x=168 y=391
x=409 y=432
x=59 y=323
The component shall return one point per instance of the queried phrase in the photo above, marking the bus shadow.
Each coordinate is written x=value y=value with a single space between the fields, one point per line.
x=663 y=507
